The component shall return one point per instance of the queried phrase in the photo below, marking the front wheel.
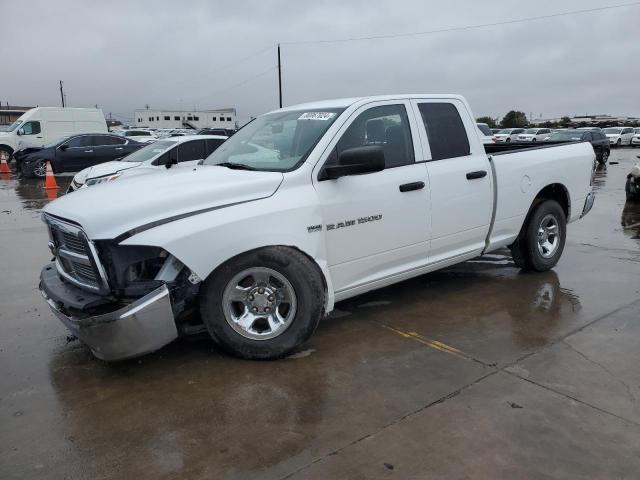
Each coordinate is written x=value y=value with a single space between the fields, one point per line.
x=5 y=155
x=619 y=143
x=604 y=157
x=541 y=241
x=37 y=169
x=263 y=304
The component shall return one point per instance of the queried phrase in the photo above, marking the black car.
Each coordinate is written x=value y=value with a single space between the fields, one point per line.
x=227 y=132
x=598 y=140
x=74 y=153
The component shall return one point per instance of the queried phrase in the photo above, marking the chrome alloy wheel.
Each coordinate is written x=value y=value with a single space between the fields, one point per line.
x=259 y=303
x=40 y=170
x=548 y=236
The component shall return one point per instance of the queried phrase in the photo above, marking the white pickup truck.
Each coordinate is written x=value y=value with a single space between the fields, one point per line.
x=303 y=207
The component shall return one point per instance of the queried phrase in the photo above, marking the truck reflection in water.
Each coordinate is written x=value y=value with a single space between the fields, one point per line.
x=631 y=219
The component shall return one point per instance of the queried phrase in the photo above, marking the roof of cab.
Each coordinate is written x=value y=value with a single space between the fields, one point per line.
x=347 y=102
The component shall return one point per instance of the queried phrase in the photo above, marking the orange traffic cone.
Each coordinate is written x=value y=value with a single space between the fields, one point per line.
x=50 y=180
x=4 y=165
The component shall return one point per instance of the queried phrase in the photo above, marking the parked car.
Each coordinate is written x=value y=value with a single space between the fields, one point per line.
x=142 y=136
x=598 y=140
x=303 y=207
x=46 y=125
x=227 y=132
x=180 y=152
x=619 y=136
x=508 y=135
x=635 y=140
x=534 y=134
x=486 y=135
x=632 y=188
x=74 y=153
x=495 y=130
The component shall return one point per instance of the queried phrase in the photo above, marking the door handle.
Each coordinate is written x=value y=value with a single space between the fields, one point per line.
x=409 y=187
x=475 y=175
x=88 y=151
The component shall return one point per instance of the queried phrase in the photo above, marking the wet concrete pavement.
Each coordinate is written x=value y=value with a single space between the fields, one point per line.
x=476 y=371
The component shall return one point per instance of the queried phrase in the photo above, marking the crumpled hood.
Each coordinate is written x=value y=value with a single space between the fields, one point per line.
x=108 y=210
x=109 y=168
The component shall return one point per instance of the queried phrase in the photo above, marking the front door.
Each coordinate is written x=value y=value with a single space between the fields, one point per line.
x=375 y=225
x=75 y=154
x=461 y=181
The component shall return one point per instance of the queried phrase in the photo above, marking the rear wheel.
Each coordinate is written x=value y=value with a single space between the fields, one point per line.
x=541 y=241
x=263 y=304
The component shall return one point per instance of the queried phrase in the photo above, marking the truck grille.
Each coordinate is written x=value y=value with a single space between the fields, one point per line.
x=76 y=261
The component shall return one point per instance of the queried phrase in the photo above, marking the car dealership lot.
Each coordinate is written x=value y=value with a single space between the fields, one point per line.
x=475 y=371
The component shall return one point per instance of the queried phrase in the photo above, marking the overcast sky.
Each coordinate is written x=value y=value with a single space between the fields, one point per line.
x=181 y=54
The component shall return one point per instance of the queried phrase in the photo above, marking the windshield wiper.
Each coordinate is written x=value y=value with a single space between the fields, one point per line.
x=235 y=166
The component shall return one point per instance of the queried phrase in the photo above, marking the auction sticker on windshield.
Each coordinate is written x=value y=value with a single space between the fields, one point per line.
x=317 y=116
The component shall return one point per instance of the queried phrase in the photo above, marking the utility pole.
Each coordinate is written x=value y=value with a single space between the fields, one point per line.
x=61 y=94
x=279 y=77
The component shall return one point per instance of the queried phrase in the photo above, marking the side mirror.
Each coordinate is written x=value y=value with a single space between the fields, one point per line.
x=20 y=131
x=355 y=161
x=172 y=161
x=63 y=148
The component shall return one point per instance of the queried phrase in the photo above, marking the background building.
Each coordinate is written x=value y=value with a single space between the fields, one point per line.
x=10 y=113
x=221 y=118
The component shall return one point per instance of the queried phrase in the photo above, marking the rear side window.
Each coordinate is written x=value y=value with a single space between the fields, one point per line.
x=213 y=144
x=191 y=151
x=485 y=129
x=82 y=141
x=386 y=126
x=445 y=130
x=108 y=140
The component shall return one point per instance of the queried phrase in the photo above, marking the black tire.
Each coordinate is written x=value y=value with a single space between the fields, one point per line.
x=603 y=158
x=35 y=169
x=525 y=251
x=619 y=143
x=508 y=140
x=299 y=271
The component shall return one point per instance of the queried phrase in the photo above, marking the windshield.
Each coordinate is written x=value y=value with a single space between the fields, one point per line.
x=150 y=151
x=566 y=136
x=485 y=129
x=531 y=130
x=505 y=130
x=612 y=130
x=277 y=141
x=14 y=125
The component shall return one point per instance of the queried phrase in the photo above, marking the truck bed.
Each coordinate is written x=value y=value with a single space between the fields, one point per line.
x=502 y=148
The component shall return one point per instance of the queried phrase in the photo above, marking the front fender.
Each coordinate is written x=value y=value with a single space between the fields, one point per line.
x=204 y=242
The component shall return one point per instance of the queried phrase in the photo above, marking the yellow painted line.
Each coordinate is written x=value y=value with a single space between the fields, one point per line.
x=435 y=344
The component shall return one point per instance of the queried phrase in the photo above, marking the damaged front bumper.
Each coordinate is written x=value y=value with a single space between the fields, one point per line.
x=140 y=327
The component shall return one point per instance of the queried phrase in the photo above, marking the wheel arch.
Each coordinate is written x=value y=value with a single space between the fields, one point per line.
x=557 y=192
x=4 y=146
x=320 y=266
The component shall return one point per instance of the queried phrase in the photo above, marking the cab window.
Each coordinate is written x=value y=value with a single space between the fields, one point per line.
x=386 y=126
x=31 y=128
x=189 y=151
x=445 y=130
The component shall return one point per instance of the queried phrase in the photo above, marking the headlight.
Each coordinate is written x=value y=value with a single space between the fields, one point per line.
x=96 y=181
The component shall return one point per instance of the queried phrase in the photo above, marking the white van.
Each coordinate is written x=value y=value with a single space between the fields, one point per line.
x=44 y=125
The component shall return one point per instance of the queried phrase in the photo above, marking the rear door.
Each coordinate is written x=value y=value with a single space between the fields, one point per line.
x=107 y=148
x=75 y=154
x=459 y=178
